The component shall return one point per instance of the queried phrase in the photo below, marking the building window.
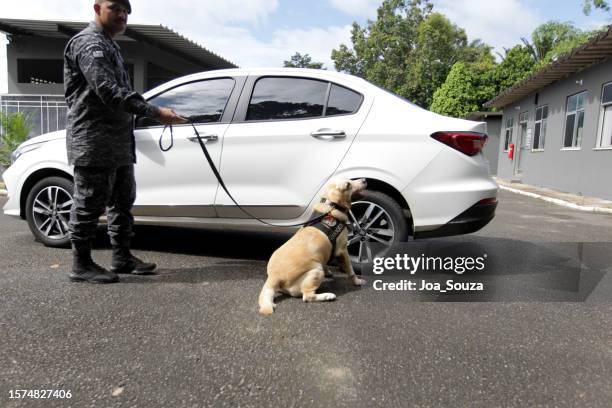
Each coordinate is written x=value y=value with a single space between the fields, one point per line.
x=605 y=129
x=508 y=133
x=40 y=71
x=574 y=120
x=523 y=119
x=541 y=123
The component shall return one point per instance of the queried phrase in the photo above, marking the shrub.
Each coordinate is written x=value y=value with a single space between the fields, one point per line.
x=15 y=130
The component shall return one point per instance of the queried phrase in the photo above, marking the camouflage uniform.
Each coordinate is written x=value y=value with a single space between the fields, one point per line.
x=99 y=135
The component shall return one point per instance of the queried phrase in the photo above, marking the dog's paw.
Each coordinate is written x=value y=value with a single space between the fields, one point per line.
x=358 y=281
x=266 y=310
x=327 y=296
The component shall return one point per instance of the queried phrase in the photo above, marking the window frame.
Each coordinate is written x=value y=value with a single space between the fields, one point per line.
x=602 y=112
x=523 y=120
x=574 y=145
x=541 y=121
x=508 y=141
x=228 y=110
x=243 y=108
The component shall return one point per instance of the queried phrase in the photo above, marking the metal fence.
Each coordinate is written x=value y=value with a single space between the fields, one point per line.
x=46 y=113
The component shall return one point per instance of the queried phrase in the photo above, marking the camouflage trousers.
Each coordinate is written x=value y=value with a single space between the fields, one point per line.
x=100 y=189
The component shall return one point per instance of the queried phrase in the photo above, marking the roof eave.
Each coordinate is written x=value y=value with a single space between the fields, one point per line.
x=595 y=51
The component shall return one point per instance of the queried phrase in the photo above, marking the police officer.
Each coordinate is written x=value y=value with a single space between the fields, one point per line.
x=100 y=142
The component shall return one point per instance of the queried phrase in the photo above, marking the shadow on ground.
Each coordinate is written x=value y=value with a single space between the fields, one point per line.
x=186 y=241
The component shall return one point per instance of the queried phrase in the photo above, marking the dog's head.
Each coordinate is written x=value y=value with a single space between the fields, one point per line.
x=341 y=191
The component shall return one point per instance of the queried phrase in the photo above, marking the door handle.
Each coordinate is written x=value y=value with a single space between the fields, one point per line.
x=205 y=138
x=328 y=134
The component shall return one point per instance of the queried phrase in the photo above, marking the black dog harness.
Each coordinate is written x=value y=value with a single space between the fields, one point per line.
x=328 y=225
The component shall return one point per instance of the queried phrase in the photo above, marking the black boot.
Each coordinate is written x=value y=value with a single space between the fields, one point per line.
x=84 y=269
x=125 y=262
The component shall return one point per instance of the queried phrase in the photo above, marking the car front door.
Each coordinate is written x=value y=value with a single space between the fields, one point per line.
x=288 y=137
x=178 y=182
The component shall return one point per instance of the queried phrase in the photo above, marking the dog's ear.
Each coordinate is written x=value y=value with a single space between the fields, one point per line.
x=345 y=185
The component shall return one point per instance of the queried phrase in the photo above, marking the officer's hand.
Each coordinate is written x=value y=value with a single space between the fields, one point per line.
x=169 y=117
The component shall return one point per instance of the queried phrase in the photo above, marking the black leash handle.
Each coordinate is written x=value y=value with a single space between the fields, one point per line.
x=220 y=179
x=161 y=137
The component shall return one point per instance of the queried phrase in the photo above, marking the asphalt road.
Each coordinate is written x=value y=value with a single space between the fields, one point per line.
x=539 y=335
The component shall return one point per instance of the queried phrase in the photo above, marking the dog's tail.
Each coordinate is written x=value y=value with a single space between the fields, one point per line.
x=266 y=298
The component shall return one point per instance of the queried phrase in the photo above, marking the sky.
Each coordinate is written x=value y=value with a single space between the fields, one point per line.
x=264 y=33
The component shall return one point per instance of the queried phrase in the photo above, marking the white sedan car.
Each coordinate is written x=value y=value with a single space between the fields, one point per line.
x=277 y=136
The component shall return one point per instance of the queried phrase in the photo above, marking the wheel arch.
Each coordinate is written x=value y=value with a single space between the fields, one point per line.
x=386 y=188
x=31 y=181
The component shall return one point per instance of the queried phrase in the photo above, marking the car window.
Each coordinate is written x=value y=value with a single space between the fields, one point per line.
x=287 y=98
x=202 y=101
x=342 y=101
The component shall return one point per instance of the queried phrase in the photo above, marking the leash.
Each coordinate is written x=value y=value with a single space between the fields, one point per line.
x=220 y=179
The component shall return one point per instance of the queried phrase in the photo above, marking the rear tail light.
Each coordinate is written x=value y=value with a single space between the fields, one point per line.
x=470 y=143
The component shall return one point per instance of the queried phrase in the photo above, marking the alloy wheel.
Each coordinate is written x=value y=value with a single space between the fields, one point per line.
x=369 y=224
x=51 y=212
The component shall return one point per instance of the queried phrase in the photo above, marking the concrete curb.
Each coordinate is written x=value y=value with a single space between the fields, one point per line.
x=563 y=203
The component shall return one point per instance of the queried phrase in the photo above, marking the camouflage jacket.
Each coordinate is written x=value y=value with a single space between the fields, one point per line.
x=101 y=102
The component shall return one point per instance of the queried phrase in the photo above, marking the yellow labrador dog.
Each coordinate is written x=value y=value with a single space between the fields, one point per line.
x=299 y=265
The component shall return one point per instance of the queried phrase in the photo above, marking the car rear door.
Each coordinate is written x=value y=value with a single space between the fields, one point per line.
x=288 y=136
x=178 y=182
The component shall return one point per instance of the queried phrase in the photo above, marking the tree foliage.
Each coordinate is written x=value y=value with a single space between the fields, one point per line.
x=589 y=5
x=302 y=61
x=419 y=54
x=516 y=65
x=15 y=130
x=470 y=85
x=466 y=88
x=549 y=36
x=408 y=49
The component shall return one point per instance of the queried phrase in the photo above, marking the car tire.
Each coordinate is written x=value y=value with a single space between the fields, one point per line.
x=375 y=218
x=48 y=211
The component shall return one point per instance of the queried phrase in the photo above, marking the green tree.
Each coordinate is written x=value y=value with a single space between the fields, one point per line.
x=516 y=65
x=15 y=130
x=383 y=50
x=549 y=36
x=566 y=46
x=589 y=5
x=467 y=87
x=408 y=49
x=439 y=45
x=470 y=84
x=302 y=61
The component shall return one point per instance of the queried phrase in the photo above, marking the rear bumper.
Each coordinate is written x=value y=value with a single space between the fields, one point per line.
x=471 y=220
